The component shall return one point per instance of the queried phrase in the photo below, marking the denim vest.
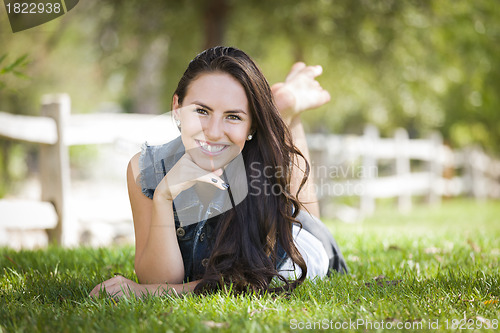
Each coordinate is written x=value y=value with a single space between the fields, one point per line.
x=195 y=224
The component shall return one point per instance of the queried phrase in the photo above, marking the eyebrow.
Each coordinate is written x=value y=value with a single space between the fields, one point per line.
x=236 y=111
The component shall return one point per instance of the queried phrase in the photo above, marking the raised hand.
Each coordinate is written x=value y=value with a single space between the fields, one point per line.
x=185 y=174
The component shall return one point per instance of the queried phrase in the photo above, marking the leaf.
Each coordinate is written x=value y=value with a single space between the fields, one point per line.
x=491 y=301
x=11 y=260
x=20 y=74
x=474 y=246
x=17 y=63
x=2 y=58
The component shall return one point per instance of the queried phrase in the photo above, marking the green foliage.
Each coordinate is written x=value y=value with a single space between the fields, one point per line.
x=16 y=68
x=422 y=65
x=11 y=153
x=439 y=264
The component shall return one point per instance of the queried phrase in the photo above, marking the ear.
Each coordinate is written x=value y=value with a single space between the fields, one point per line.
x=175 y=106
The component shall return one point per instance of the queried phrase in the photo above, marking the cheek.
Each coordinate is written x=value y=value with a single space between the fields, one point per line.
x=239 y=139
x=190 y=126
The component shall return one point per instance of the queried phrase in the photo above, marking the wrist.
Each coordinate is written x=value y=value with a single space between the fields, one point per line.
x=162 y=196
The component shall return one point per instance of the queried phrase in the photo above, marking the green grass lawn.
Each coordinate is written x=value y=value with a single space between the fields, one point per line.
x=434 y=269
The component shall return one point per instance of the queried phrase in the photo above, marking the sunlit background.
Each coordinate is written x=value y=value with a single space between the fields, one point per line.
x=425 y=66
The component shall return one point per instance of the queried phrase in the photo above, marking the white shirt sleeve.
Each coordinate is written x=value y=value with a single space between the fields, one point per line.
x=312 y=251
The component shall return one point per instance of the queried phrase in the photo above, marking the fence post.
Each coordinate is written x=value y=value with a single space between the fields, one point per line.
x=370 y=138
x=478 y=162
x=54 y=169
x=436 y=168
x=402 y=168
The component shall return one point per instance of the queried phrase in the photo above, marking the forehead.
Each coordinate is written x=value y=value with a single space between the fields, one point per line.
x=217 y=88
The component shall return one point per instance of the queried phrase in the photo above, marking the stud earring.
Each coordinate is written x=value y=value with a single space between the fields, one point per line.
x=249 y=137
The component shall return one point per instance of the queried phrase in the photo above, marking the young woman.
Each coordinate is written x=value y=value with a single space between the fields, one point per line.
x=229 y=201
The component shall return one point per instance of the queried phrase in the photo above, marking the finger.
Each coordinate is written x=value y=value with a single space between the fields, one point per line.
x=296 y=68
x=318 y=70
x=124 y=292
x=188 y=173
x=322 y=98
x=100 y=288
x=95 y=291
x=214 y=180
x=326 y=96
x=201 y=172
x=313 y=71
x=277 y=86
x=196 y=168
x=116 y=295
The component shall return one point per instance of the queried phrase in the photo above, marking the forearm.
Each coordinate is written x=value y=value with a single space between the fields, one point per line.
x=300 y=92
x=173 y=289
x=161 y=259
x=119 y=286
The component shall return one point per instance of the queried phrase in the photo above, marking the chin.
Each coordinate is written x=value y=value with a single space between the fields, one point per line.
x=211 y=163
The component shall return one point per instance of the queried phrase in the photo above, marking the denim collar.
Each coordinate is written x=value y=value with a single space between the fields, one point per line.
x=156 y=161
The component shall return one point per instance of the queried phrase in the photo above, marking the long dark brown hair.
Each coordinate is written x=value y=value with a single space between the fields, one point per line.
x=244 y=255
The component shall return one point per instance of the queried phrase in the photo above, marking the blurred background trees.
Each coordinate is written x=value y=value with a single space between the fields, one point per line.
x=422 y=65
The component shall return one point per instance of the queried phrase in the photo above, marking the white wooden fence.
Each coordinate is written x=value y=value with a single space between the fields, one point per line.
x=372 y=167
x=369 y=167
x=55 y=130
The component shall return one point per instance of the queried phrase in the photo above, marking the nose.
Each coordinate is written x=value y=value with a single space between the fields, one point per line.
x=214 y=129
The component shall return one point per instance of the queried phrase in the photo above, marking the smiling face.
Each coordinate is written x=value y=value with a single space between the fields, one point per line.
x=215 y=119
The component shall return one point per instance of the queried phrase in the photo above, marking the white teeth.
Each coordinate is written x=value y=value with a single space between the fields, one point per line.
x=211 y=148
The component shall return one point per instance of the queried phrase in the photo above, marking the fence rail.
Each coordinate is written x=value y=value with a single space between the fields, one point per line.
x=441 y=172
x=56 y=130
x=367 y=166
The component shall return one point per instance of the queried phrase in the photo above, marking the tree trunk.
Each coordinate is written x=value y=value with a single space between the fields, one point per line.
x=149 y=81
x=214 y=15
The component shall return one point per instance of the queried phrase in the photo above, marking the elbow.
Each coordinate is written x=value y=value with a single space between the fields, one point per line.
x=149 y=275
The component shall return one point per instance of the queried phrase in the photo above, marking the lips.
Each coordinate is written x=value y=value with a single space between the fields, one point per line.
x=210 y=148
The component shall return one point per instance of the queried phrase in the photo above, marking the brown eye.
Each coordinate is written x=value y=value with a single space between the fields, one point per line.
x=201 y=111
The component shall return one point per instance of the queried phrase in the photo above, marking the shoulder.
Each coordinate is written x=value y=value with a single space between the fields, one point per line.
x=133 y=167
x=153 y=162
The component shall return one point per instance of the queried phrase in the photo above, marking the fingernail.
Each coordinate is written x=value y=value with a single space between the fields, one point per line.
x=225 y=185
x=214 y=180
